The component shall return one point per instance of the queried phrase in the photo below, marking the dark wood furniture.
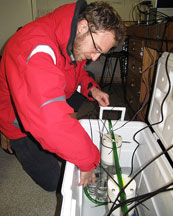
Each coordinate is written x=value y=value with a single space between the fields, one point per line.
x=146 y=43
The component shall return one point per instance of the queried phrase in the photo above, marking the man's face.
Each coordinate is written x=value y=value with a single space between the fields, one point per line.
x=88 y=45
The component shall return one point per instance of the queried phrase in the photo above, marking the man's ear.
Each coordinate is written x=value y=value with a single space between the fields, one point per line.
x=82 y=27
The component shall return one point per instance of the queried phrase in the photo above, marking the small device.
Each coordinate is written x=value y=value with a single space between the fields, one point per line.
x=113 y=191
x=107 y=156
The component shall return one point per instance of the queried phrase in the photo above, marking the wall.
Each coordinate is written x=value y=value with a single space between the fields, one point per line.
x=46 y=6
x=124 y=7
x=13 y=14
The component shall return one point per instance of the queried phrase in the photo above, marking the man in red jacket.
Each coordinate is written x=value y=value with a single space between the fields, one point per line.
x=41 y=67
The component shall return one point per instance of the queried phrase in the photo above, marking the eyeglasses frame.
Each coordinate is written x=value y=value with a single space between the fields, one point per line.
x=97 y=50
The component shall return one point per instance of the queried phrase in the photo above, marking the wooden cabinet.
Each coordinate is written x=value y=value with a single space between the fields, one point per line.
x=133 y=83
x=145 y=45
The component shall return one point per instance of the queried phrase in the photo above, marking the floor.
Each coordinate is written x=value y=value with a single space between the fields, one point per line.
x=19 y=195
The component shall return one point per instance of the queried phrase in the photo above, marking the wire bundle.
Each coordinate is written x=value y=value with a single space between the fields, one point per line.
x=140 y=199
x=158 y=17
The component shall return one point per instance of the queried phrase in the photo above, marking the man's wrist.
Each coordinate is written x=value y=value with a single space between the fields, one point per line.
x=91 y=92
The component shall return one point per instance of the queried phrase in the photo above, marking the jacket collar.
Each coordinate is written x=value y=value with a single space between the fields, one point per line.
x=80 y=6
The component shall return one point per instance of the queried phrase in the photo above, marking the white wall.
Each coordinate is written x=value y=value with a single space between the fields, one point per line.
x=124 y=7
x=13 y=14
x=46 y=6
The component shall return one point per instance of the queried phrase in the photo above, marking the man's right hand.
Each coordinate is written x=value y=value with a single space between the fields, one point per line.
x=87 y=178
x=101 y=97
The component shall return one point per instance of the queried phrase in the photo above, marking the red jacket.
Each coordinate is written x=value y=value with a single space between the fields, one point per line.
x=36 y=77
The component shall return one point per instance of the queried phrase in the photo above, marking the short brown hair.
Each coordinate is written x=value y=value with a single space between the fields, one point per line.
x=101 y=16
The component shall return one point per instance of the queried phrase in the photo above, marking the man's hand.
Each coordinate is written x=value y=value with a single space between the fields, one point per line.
x=87 y=178
x=101 y=97
x=5 y=143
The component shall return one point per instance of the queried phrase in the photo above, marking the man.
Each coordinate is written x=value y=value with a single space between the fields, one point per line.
x=41 y=68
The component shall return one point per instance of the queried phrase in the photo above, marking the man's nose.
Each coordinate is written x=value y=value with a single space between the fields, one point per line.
x=95 y=56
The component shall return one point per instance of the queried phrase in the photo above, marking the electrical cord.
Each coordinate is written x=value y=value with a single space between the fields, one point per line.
x=133 y=10
x=142 y=198
x=147 y=85
x=163 y=36
x=108 y=63
x=161 y=106
x=140 y=110
x=149 y=197
x=147 y=81
x=160 y=17
x=85 y=189
x=142 y=204
x=142 y=106
x=103 y=203
x=161 y=109
x=151 y=161
x=110 y=176
x=166 y=67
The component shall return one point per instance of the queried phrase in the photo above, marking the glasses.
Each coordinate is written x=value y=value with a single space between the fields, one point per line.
x=97 y=50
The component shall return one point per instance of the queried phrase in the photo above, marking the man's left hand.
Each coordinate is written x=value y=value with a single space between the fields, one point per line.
x=100 y=96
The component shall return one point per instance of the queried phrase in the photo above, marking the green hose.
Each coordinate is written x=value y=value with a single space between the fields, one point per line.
x=118 y=169
x=91 y=199
x=119 y=176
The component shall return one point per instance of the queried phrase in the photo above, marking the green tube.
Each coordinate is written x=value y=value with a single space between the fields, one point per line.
x=91 y=199
x=118 y=169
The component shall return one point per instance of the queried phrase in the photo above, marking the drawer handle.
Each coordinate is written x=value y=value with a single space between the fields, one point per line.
x=133 y=48
x=138 y=93
x=140 y=70
x=141 y=52
x=133 y=66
